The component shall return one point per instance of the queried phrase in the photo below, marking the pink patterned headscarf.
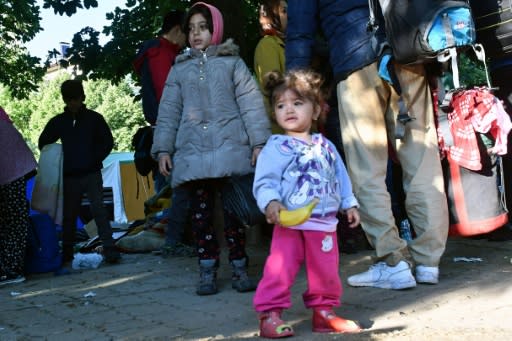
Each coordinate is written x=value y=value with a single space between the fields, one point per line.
x=217 y=20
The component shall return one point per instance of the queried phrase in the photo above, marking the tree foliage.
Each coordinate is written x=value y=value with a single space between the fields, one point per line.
x=141 y=20
x=19 y=23
x=115 y=102
x=102 y=66
x=129 y=26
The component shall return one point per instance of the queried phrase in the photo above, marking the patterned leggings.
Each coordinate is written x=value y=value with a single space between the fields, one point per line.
x=202 y=205
x=14 y=224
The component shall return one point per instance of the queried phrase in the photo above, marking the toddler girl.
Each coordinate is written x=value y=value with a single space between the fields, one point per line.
x=292 y=170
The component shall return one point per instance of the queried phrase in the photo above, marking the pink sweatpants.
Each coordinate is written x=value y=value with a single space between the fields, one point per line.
x=288 y=251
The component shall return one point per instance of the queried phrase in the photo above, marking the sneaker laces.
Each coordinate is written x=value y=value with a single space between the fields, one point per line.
x=378 y=266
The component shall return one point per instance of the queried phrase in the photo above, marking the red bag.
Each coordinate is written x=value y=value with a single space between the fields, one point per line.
x=473 y=176
x=475 y=198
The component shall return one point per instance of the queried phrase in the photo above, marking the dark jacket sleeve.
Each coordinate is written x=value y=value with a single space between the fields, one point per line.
x=149 y=95
x=104 y=138
x=300 y=33
x=50 y=133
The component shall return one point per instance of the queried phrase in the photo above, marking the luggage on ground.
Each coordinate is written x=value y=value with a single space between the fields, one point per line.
x=43 y=252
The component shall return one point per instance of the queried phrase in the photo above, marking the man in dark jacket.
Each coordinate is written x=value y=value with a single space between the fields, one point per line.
x=86 y=141
x=367 y=108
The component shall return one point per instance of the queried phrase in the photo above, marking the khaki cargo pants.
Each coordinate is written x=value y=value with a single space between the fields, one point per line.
x=367 y=109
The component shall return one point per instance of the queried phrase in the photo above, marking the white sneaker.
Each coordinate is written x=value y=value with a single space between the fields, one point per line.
x=381 y=275
x=427 y=274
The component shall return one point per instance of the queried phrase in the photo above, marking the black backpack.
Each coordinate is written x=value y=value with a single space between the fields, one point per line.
x=419 y=31
x=142 y=142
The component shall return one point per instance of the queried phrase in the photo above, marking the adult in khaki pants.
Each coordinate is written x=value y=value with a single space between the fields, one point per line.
x=368 y=105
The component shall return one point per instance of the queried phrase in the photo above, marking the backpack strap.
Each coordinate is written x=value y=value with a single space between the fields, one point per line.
x=501 y=182
x=480 y=55
x=372 y=25
x=447 y=27
x=445 y=99
x=388 y=73
x=450 y=55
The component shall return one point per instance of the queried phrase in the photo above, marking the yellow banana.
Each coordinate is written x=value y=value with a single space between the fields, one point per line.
x=297 y=216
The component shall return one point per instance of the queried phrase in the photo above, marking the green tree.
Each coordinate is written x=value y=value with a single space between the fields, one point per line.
x=19 y=23
x=115 y=102
x=140 y=20
x=472 y=71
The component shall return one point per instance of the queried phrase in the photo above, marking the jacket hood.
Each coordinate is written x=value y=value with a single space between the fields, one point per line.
x=228 y=48
x=217 y=20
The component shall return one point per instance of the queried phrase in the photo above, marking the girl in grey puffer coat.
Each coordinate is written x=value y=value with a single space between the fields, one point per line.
x=211 y=116
x=211 y=126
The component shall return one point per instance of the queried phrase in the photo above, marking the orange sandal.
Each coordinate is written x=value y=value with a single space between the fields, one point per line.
x=272 y=327
x=326 y=321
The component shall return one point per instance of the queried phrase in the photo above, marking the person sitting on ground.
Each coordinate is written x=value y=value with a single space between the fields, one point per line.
x=86 y=141
x=292 y=170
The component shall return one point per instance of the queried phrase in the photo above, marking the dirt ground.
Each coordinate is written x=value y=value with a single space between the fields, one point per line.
x=147 y=297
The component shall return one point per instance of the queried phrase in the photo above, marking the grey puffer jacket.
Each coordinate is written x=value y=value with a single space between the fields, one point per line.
x=211 y=115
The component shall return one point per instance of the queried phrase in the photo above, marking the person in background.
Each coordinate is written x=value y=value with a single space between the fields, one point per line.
x=18 y=164
x=292 y=170
x=86 y=141
x=155 y=59
x=367 y=107
x=211 y=126
x=269 y=52
x=153 y=63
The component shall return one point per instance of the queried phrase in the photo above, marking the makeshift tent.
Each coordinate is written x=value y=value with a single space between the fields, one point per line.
x=129 y=189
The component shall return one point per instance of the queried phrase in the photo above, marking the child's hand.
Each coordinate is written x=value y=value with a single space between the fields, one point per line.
x=255 y=153
x=165 y=164
x=353 y=217
x=272 y=211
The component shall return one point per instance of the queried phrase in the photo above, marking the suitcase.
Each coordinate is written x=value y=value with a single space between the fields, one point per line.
x=43 y=252
x=475 y=198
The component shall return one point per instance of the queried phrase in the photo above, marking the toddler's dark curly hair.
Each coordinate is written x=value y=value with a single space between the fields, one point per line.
x=306 y=84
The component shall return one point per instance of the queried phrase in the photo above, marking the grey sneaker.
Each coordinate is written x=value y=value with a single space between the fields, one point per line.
x=178 y=250
x=427 y=274
x=381 y=275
